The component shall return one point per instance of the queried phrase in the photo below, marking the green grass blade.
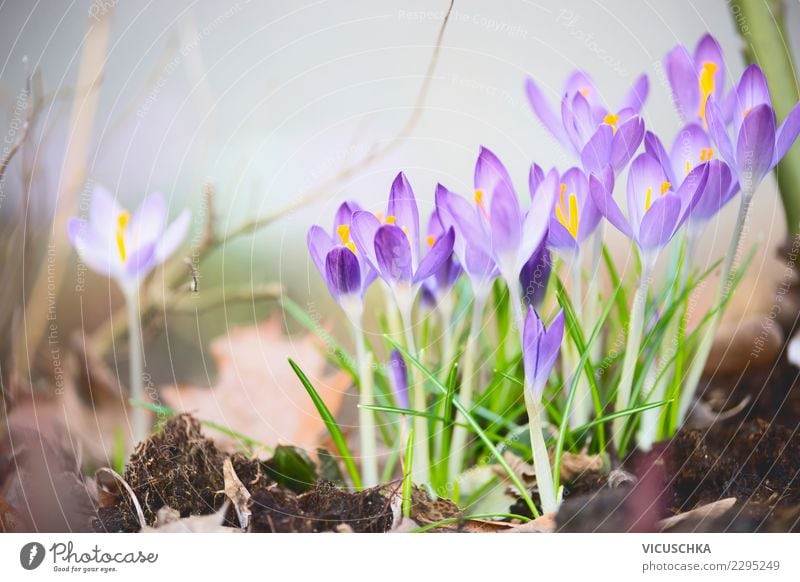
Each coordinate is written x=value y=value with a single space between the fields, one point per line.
x=408 y=484
x=331 y=424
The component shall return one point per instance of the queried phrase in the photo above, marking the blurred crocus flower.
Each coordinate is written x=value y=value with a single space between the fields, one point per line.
x=693 y=148
x=695 y=78
x=575 y=216
x=124 y=247
x=399 y=379
x=655 y=210
x=594 y=134
x=756 y=145
x=535 y=274
x=342 y=267
x=495 y=231
x=391 y=244
x=540 y=348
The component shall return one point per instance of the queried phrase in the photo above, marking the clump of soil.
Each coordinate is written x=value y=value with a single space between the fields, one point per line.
x=322 y=509
x=180 y=468
x=755 y=462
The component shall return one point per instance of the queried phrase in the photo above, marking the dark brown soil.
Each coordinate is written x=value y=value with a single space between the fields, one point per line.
x=325 y=508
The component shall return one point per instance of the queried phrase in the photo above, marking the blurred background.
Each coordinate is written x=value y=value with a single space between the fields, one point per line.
x=265 y=101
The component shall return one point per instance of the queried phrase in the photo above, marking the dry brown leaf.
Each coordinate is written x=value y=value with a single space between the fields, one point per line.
x=256 y=391
x=574 y=465
x=699 y=514
x=236 y=492
x=195 y=524
x=543 y=524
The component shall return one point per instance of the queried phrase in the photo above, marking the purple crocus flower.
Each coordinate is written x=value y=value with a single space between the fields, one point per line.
x=392 y=247
x=540 y=348
x=575 y=216
x=495 y=232
x=693 y=148
x=756 y=145
x=535 y=274
x=344 y=269
x=595 y=135
x=655 y=210
x=696 y=78
x=124 y=247
x=399 y=380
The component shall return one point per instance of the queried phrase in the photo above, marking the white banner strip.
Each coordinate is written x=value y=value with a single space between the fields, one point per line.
x=408 y=557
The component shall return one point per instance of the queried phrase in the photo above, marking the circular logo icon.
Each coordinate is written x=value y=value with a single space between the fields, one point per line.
x=31 y=555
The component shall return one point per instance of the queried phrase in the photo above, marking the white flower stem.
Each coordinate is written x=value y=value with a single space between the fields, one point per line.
x=541 y=459
x=138 y=414
x=366 y=417
x=704 y=348
x=468 y=377
x=635 y=329
x=421 y=465
x=582 y=403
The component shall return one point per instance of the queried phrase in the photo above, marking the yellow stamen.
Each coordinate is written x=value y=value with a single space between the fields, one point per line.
x=122 y=223
x=391 y=219
x=585 y=91
x=561 y=197
x=612 y=120
x=746 y=111
x=665 y=186
x=343 y=230
x=379 y=216
x=573 y=216
x=706 y=81
x=351 y=245
x=688 y=167
x=706 y=154
x=478 y=197
x=430 y=240
x=648 y=199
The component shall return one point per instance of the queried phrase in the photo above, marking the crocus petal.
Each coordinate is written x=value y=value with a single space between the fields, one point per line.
x=596 y=153
x=91 y=248
x=363 y=227
x=716 y=193
x=149 y=220
x=103 y=213
x=456 y=212
x=691 y=190
x=172 y=237
x=582 y=118
x=645 y=179
x=535 y=177
x=479 y=266
x=399 y=379
x=505 y=219
x=654 y=147
x=403 y=206
x=551 y=343
x=534 y=276
x=139 y=264
x=537 y=220
x=659 y=222
x=319 y=245
x=393 y=254
x=344 y=214
x=489 y=172
x=755 y=148
x=544 y=112
x=531 y=334
x=751 y=92
x=787 y=133
x=691 y=148
x=718 y=130
x=625 y=143
x=636 y=96
x=342 y=272
x=559 y=238
x=682 y=74
x=608 y=207
x=441 y=250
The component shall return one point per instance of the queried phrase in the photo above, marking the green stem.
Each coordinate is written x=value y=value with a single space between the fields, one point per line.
x=468 y=377
x=138 y=415
x=421 y=465
x=541 y=459
x=634 y=340
x=366 y=417
x=724 y=289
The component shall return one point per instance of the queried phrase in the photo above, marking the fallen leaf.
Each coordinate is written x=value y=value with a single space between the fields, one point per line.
x=256 y=392
x=237 y=493
x=709 y=512
x=543 y=524
x=196 y=524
